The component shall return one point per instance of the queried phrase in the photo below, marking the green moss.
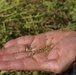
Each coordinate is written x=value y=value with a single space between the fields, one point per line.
x=31 y=17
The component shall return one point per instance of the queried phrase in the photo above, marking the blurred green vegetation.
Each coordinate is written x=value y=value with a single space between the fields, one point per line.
x=31 y=17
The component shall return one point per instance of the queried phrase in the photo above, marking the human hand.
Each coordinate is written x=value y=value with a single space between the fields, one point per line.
x=62 y=55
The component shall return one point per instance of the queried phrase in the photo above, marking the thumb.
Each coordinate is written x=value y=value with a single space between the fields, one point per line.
x=51 y=65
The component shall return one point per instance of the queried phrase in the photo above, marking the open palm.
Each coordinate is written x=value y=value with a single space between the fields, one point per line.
x=62 y=55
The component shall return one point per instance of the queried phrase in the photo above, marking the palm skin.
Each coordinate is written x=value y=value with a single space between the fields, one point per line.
x=63 y=54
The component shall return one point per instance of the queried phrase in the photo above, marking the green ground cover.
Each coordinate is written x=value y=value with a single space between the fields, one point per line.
x=31 y=17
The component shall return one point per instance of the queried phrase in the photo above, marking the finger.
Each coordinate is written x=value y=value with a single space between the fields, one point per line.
x=16 y=56
x=13 y=49
x=38 y=42
x=56 y=35
x=21 y=64
x=21 y=40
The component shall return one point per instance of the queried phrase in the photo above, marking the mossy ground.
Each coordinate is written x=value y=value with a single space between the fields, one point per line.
x=31 y=17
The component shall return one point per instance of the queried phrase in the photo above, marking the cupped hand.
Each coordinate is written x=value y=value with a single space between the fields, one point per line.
x=62 y=55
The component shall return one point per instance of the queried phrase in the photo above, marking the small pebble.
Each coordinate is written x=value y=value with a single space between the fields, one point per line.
x=28 y=48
